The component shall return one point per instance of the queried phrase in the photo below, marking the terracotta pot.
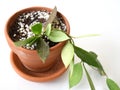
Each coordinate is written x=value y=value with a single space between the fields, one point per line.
x=30 y=58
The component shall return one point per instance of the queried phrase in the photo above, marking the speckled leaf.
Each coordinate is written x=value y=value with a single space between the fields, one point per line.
x=67 y=54
x=42 y=49
x=76 y=76
x=112 y=85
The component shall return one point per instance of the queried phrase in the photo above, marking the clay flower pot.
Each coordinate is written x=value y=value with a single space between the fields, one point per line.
x=27 y=63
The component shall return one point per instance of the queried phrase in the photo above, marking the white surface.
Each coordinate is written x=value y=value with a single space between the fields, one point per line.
x=85 y=17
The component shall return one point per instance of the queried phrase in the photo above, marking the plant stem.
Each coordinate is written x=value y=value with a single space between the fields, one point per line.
x=87 y=35
x=89 y=78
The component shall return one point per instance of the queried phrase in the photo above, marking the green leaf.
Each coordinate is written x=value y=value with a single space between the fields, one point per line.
x=85 y=56
x=89 y=79
x=71 y=66
x=67 y=54
x=93 y=54
x=24 y=42
x=33 y=41
x=42 y=49
x=76 y=76
x=112 y=85
x=51 y=17
x=58 y=36
x=100 y=68
x=90 y=58
x=37 y=28
x=48 y=30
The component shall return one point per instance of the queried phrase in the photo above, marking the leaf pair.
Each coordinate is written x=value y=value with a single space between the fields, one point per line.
x=76 y=70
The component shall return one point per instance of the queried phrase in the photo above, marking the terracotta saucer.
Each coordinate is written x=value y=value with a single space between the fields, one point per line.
x=53 y=73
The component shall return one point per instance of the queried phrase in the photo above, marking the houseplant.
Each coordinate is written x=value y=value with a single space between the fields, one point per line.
x=28 y=57
x=40 y=31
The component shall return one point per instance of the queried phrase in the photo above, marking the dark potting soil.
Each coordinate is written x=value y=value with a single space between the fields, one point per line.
x=20 y=29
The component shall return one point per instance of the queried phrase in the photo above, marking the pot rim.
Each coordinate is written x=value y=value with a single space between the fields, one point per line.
x=34 y=8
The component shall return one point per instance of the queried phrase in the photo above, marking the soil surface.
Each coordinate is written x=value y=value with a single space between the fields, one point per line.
x=20 y=29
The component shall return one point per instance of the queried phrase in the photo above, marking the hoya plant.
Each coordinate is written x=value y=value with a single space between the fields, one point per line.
x=69 y=51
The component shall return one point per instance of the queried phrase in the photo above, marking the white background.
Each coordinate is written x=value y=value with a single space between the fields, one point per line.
x=85 y=17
